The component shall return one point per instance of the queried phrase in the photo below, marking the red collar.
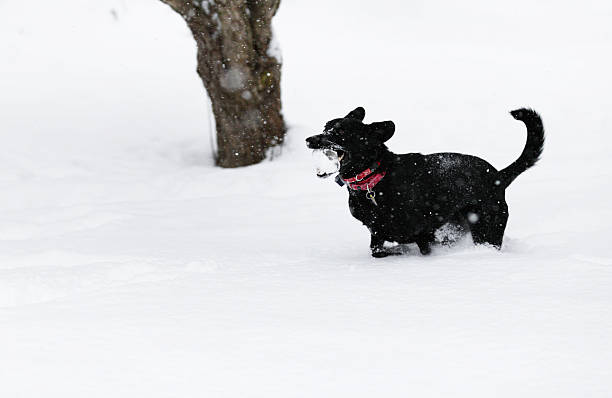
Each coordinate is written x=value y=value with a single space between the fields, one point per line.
x=366 y=180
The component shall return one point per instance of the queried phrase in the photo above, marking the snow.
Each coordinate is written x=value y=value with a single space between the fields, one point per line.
x=326 y=162
x=473 y=218
x=234 y=79
x=274 y=48
x=130 y=266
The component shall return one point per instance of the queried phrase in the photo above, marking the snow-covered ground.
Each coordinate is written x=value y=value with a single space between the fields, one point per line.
x=131 y=267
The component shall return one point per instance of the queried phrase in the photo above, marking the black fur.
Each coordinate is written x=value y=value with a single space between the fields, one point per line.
x=420 y=193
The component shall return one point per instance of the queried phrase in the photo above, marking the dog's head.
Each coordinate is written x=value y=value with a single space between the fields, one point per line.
x=358 y=145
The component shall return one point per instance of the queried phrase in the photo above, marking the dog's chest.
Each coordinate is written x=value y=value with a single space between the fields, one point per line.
x=396 y=211
x=377 y=210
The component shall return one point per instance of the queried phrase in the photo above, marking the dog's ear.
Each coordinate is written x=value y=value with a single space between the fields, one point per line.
x=384 y=130
x=357 y=113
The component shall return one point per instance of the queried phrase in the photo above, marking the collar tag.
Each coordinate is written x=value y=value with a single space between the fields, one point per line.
x=372 y=196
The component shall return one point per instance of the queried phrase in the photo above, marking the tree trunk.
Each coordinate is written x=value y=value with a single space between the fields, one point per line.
x=239 y=72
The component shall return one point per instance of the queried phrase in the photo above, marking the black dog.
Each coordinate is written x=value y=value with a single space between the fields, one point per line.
x=406 y=198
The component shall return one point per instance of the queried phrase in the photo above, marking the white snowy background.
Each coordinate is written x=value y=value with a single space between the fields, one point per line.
x=131 y=267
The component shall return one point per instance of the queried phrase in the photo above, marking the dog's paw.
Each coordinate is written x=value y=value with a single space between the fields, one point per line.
x=380 y=253
x=425 y=250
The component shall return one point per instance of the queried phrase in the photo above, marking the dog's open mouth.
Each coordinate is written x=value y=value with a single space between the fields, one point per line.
x=340 y=155
x=327 y=161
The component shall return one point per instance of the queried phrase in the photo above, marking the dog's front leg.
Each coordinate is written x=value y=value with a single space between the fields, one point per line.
x=377 y=245
x=424 y=242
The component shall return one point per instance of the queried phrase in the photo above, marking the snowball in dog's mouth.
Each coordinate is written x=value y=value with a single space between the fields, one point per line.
x=327 y=161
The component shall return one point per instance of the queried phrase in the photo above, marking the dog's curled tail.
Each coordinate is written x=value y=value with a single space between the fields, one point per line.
x=533 y=147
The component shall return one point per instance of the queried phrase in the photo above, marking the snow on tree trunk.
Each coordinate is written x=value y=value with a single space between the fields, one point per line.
x=241 y=72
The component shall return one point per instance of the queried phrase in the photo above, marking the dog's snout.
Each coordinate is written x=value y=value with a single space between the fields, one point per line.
x=313 y=142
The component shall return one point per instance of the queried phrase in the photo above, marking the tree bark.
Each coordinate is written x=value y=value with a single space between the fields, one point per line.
x=240 y=74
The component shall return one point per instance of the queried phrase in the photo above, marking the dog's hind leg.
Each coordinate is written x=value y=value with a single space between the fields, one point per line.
x=489 y=223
